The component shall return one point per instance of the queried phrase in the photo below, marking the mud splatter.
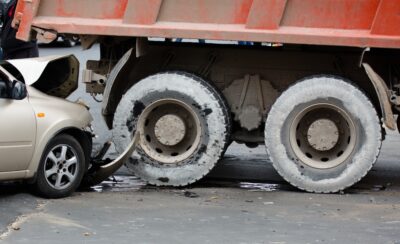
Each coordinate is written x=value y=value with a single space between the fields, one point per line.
x=163 y=179
x=130 y=124
x=138 y=108
x=207 y=111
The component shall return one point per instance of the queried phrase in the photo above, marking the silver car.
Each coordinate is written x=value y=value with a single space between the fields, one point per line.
x=43 y=139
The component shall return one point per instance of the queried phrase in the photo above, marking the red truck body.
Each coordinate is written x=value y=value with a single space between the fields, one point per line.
x=359 y=23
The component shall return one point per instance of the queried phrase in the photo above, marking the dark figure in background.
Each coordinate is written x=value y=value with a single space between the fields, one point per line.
x=13 y=48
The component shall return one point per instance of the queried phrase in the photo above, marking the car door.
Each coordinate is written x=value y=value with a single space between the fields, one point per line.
x=17 y=128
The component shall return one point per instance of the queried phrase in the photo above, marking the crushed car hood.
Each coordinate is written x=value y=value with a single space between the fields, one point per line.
x=54 y=75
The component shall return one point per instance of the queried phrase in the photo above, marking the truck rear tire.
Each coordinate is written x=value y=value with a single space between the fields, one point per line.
x=323 y=134
x=183 y=124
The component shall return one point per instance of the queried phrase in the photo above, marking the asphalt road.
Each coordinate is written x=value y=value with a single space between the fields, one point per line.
x=256 y=207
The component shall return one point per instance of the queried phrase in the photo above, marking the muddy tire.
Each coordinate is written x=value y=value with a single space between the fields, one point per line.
x=323 y=134
x=183 y=124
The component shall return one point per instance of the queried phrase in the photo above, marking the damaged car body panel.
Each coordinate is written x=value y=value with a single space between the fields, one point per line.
x=60 y=116
x=47 y=117
x=45 y=140
x=49 y=80
x=54 y=75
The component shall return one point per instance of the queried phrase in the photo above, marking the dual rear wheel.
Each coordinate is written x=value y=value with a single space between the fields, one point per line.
x=322 y=134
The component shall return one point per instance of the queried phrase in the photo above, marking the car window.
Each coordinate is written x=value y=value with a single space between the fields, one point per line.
x=3 y=89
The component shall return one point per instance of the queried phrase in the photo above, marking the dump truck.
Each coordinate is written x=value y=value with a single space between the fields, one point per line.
x=317 y=82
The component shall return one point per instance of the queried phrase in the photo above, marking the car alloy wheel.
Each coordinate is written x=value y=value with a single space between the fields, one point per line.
x=61 y=167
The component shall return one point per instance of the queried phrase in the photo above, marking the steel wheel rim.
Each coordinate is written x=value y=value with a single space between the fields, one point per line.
x=183 y=140
x=323 y=150
x=61 y=167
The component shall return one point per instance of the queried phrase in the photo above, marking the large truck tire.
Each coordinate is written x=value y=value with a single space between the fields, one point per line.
x=323 y=134
x=184 y=128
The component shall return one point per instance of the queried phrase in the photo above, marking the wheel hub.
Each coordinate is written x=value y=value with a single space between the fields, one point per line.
x=170 y=130
x=323 y=135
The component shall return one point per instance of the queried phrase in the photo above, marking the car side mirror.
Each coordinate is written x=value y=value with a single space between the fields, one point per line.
x=18 y=90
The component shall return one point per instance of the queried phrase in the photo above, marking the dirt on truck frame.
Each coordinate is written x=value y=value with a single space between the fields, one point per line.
x=318 y=83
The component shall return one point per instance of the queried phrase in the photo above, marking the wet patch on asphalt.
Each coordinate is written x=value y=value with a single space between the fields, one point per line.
x=132 y=183
x=125 y=183
x=119 y=184
x=266 y=187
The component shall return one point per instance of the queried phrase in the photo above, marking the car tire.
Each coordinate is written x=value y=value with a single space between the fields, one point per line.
x=323 y=134
x=189 y=155
x=61 y=168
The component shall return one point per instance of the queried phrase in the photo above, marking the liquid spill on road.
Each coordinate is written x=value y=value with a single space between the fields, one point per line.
x=132 y=183
x=250 y=186
x=267 y=187
x=120 y=184
x=125 y=183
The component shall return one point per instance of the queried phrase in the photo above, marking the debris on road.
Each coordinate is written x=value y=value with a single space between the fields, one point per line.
x=190 y=194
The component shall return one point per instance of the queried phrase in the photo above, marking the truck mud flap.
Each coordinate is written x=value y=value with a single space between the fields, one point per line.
x=383 y=94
